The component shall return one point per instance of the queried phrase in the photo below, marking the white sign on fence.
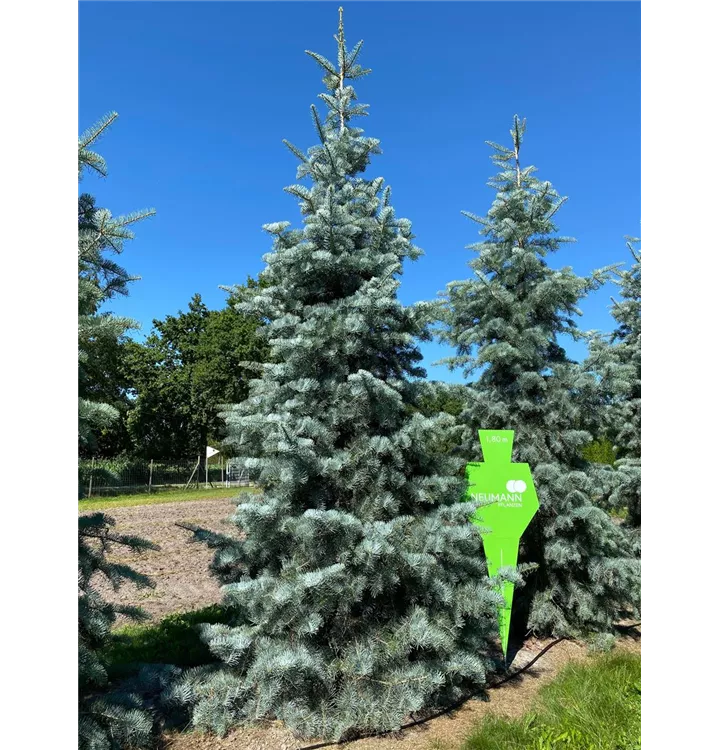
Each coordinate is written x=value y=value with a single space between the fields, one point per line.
x=211 y=452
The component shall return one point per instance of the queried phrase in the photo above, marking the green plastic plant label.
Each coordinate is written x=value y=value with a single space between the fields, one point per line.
x=512 y=502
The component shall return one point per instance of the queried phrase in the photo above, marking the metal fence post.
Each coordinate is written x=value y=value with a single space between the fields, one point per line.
x=152 y=461
x=92 y=471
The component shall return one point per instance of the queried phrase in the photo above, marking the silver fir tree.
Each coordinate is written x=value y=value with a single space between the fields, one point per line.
x=505 y=322
x=107 y=719
x=615 y=359
x=358 y=589
x=100 y=278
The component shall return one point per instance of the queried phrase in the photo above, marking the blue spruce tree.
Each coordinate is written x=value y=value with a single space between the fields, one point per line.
x=107 y=720
x=100 y=278
x=358 y=589
x=505 y=322
x=616 y=360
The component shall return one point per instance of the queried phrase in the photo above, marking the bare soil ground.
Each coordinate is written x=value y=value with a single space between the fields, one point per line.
x=180 y=567
x=183 y=583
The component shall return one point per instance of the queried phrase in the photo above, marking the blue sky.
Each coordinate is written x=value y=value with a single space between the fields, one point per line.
x=207 y=91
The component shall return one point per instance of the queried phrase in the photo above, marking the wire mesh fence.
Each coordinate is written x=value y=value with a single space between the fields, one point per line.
x=130 y=476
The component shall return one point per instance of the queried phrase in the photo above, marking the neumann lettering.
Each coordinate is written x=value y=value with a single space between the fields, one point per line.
x=504 y=499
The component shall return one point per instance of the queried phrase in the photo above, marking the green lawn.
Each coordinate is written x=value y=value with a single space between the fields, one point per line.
x=169 y=496
x=591 y=706
x=173 y=640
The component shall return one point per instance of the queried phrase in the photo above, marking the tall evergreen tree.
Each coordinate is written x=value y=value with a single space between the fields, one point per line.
x=99 y=279
x=107 y=721
x=616 y=359
x=437 y=397
x=358 y=588
x=505 y=322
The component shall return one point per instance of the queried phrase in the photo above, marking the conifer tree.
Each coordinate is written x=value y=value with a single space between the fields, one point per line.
x=99 y=279
x=358 y=588
x=107 y=721
x=616 y=359
x=505 y=321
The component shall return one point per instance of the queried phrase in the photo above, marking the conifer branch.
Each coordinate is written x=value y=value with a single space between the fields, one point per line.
x=318 y=125
x=297 y=152
x=342 y=51
x=93 y=133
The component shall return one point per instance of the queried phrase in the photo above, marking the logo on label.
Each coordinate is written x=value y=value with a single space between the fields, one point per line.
x=510 y=499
